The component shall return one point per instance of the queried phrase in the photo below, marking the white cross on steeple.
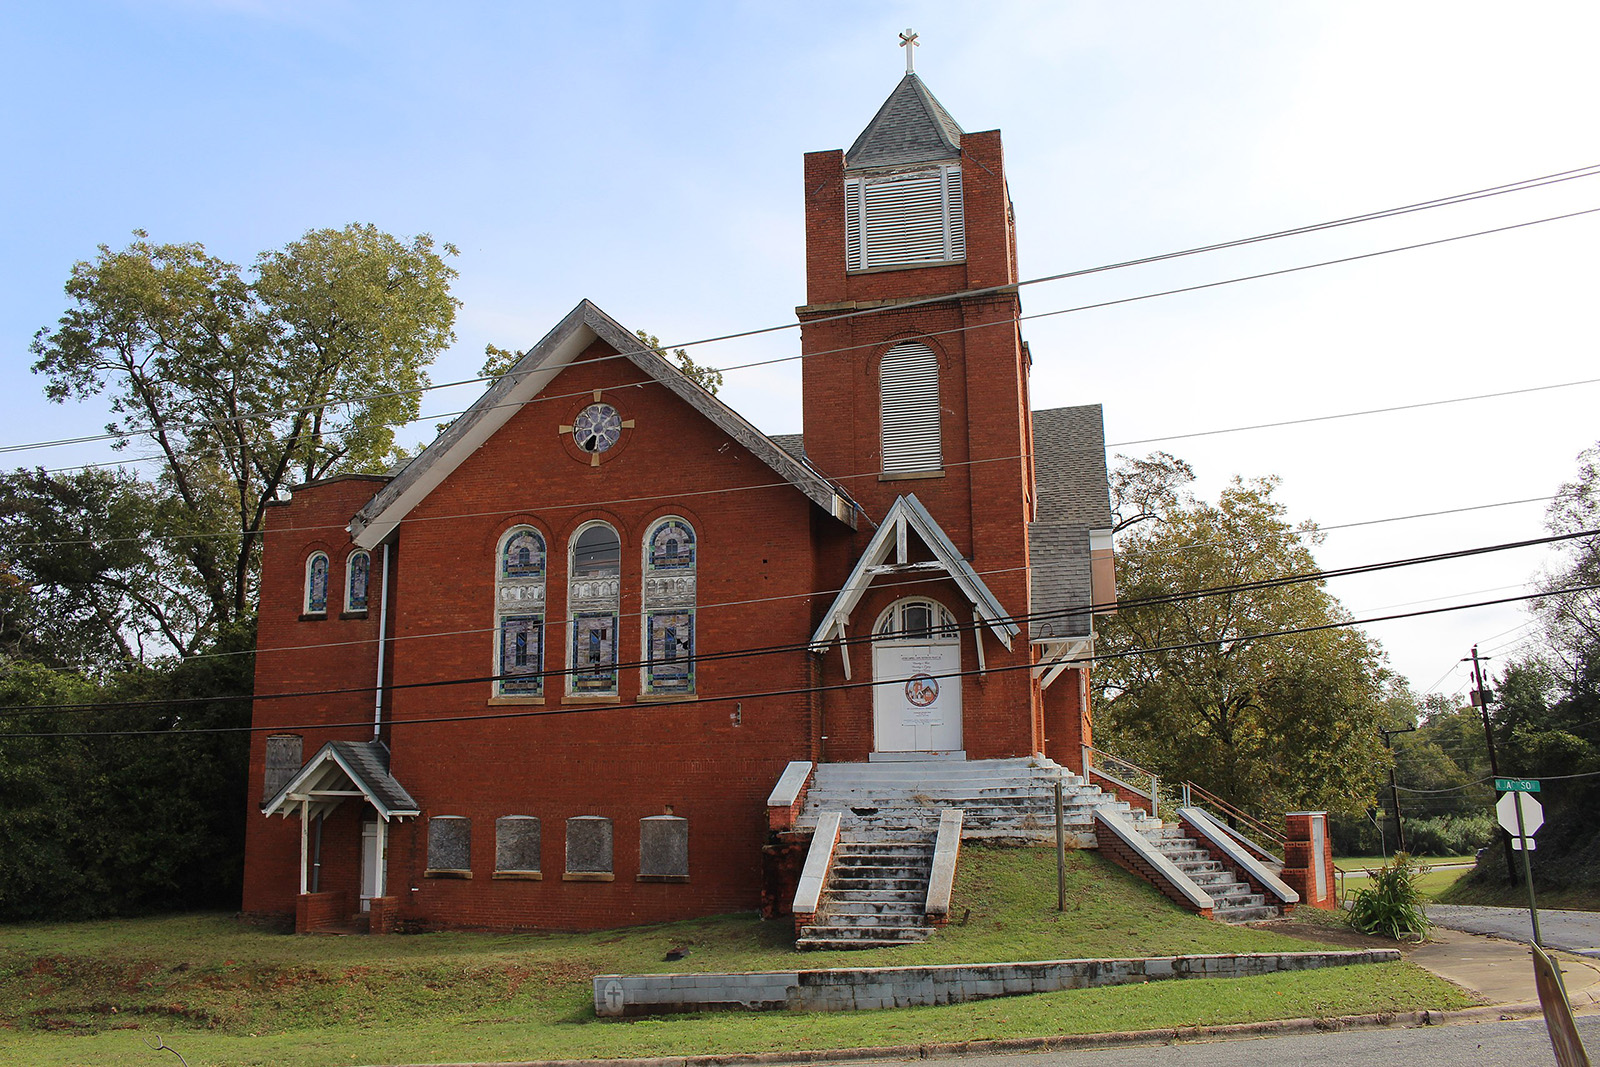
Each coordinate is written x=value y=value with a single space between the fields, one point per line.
x=908 y=41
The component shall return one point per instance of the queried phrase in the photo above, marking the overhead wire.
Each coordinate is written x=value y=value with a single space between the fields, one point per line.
x=1518 y=186
x=655 y=707
x=1317 y=575
x=1078 y=609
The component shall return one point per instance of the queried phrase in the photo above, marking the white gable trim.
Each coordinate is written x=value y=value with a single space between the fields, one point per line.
x=906 y=515
x=526 y=379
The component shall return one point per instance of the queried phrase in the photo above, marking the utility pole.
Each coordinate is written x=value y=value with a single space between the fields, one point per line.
x=1394 y=790
x=1480 y=697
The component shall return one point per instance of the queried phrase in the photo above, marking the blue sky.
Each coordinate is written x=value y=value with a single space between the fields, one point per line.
x=647 y=156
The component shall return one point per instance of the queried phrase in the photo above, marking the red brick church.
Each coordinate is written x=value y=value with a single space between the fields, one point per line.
x=547 y=673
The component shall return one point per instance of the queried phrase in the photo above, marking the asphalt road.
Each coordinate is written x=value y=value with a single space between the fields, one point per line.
x=1513 y=1043
x=1573 y=931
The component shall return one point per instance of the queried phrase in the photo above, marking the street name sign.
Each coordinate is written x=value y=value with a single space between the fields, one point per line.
x=1517 y=785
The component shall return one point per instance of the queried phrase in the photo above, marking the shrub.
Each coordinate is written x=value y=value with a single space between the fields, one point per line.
x=1391 y=904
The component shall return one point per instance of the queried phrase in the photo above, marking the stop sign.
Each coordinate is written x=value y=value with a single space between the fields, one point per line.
x=1532 y=813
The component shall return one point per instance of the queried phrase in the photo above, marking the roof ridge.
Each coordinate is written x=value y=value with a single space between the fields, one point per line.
x=910 y=127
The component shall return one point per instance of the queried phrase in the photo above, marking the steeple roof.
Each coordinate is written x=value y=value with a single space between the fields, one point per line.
x=911 y=127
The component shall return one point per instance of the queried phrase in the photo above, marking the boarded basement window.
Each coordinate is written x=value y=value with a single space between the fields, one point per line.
x=283 y=760
x=663 y=849
x=588 y=849
x=908 y=385
x=516 y=845
x=450 y=846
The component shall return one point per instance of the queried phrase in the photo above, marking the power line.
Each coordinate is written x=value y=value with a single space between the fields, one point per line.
x=1519 y=186
x=365 y=723
x=1319 y=575
x=481 y=679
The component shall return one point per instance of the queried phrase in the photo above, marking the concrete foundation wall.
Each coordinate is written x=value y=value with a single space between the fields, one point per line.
x=903 y=987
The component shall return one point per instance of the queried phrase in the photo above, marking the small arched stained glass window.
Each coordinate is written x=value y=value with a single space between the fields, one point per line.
x=672 y=546
x=317 y=584
x=358 y=576
x=524 y=555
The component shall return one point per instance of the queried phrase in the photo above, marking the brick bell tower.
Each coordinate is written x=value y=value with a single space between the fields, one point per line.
x=928 y=392
x=915 y=382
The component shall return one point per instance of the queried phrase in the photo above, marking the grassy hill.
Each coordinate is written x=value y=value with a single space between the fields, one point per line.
x=222 y=993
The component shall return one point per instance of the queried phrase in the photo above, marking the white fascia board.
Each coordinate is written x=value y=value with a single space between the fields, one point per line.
x=908 y=511
x=496 y=407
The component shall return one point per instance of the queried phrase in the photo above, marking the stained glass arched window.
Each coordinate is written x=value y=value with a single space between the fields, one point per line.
x=357 y=579
x=594 y=589
x=316 y=602
x=670 y=562
x=519 y=613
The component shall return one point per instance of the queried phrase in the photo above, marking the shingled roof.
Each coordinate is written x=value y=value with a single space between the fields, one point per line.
x=910 y=127
x=326 y=778
x=1069 y=460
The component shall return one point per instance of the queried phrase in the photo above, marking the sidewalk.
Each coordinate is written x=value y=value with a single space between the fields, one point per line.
x=1501 y=970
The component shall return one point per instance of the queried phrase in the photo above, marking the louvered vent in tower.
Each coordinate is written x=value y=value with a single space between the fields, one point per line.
x=903 y=220
x=909 y=396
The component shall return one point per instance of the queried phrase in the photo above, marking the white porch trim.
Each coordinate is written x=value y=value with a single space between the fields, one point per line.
x=889 y=553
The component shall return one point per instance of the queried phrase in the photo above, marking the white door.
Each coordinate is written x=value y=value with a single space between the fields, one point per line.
x=370 y=858
x=916 y=696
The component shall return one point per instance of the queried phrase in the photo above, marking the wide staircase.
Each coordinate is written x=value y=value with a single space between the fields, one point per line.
x=877 y=885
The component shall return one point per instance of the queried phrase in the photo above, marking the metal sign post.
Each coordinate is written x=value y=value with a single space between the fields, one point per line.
x=1521 y=816
x=1061 y=850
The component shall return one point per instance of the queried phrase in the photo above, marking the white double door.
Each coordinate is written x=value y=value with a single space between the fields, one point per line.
x=916 y=696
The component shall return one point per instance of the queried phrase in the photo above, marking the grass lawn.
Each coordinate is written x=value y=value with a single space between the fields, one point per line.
x=1432 y=882
x=1500 y=895
x=224 y=994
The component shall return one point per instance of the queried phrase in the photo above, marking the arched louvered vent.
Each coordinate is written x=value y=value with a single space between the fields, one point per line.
x=909 y=394
x=896 y=220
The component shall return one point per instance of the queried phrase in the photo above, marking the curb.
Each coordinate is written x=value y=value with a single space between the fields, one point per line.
x=1064 y=1042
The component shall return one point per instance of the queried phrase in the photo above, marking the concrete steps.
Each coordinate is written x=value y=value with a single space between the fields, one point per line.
x=877 y=887
x=1235 y=901
x=1003 y=801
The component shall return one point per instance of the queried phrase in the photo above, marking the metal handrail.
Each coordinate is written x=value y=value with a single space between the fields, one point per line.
x=1125 y=773
x=1250 y=822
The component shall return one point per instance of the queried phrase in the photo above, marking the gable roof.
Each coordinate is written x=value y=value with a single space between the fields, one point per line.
x=527 y=378
x=908 y=514
x=339 y=769
x=910 y=127
x=1069 y=461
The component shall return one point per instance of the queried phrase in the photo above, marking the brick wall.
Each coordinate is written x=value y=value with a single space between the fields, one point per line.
x=1115 y=849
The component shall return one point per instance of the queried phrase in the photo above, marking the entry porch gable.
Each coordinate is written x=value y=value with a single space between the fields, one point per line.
x=889 y=553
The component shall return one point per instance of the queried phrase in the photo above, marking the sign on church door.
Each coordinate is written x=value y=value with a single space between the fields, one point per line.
x=916 y=696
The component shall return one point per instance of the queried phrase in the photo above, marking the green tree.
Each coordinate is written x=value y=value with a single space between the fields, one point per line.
x=1197 y=687
x=239 y=385
x=498 y=360
x=96 y=562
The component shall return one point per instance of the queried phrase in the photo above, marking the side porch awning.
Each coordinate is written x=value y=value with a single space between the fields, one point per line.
x=889 y=553
x=339 y=771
